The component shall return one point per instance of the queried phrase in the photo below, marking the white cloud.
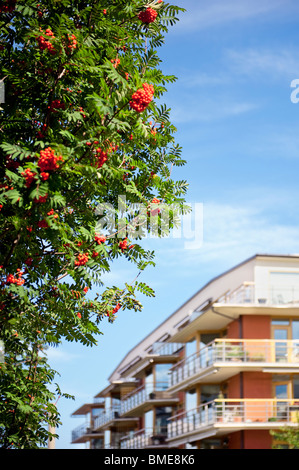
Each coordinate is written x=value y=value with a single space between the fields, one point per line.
x=269 y=63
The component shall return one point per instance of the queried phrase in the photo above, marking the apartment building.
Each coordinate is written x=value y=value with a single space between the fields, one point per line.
x=220 y=372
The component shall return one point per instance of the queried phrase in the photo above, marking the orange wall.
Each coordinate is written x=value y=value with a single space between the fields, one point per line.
x=257 y=385
x=233 y=389
x=256 y=327
x=233 y=330
x=252 y=439
x=257 y=439
x=253 y=327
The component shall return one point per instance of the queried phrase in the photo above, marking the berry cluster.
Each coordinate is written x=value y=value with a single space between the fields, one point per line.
x=56 y=104
x=15 y=280
x=48 y=161
x=82 y=259
x=155 y=211
x=101 y=156
x=42 y=224
x=41 y=199
x=40 y=134
x=116 y=309
x=7 y=6
x=29 y=176
x=100 y=239
x=43 y=43
x=44 y=175
x=28 y=261
x=115 y=62
x=72 y=42
x=142 y=98
x=148 y=16
x=52 y=212
x=123 y=245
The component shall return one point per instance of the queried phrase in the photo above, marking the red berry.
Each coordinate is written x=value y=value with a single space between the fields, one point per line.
x=82 y=259
x=148 y=16
x=142 y=98
x=100 y=239
x=48 y=160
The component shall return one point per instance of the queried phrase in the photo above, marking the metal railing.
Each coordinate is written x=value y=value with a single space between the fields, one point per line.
x=146 y=392
x=166 y=349
x=148 y=437
x=232 y=351
x=80 y=431
x=249 y=292
x=109 y=415
x=234 y=412
x=99 y=400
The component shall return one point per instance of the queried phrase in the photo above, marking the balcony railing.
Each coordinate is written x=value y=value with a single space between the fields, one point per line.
x=146 y=392
x=232 y=351
x=109 y=415
x=166 y=349
x=234 y=413
x=144 y=438
x=250 y=293
x=80 y=431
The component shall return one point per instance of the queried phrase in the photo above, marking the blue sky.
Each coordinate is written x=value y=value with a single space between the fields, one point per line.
x=235 y=61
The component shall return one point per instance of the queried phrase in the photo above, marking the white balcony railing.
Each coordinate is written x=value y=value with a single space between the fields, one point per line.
x=232 y=351
x=144 y=438
x=236 y=414
x=251 y=293
x=109 y=415
x=166 y=349
x=146 y=392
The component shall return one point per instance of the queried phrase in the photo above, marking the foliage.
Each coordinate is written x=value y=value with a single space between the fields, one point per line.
x=287 y=436
x=72 y=139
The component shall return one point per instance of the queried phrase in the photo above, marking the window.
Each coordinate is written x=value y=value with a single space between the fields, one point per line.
x=107 y=437
x=296 y=388
x=162 y=376
x=191 y=399
x=209 y=393
x=148 y=420
x=162 y=414
x=149 y=381
x=295 y=329
x=95 y=412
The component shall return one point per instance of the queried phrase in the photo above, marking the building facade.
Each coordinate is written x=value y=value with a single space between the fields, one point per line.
x=220 y=372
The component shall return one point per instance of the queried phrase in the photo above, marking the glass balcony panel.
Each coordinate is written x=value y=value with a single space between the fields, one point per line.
x=229 y=350
x=228 y=411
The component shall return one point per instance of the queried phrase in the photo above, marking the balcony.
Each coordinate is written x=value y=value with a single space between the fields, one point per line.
x=140 y=400
x=145 y=438
x=220 y=417
x=223 y=358
x=248 y=298
x=84 y=433
x=251 y=293
x=166 y=349
x=112 y=417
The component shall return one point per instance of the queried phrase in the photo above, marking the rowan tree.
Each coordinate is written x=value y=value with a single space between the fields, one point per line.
x=82 y=123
